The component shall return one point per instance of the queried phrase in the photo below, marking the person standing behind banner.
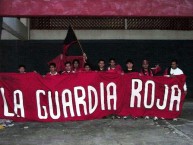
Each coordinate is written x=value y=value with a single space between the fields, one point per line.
x=22 y=69
x=130 y=66
x=129 y=69
x=113 y=66
x=6 y=122
x=147 y=71
x=68 y=68
x=76 y=65
x=87 y=68
x=172 y=71
x=53 y=72
x=101 y=65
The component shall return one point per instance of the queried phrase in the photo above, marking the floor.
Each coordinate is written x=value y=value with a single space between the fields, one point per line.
x=104 y=132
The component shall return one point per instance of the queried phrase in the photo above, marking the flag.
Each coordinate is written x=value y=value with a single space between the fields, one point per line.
x=69 y=42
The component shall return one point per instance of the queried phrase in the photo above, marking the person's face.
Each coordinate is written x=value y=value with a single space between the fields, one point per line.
x=112 y=63
x=52 y=68
x=87 y=68
x=68 y=67
x=101 y=64
x=174 y=65
x=129 y=65
x=145 y=65
x=21 y=70
x=76 y=64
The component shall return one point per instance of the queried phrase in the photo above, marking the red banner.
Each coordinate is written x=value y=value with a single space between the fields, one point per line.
x=83 y=96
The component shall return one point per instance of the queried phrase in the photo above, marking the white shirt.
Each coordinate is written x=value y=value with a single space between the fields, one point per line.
x=178 y=71
x=53 y=74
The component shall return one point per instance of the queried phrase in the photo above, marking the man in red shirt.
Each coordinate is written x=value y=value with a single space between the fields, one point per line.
x=53 y=72
x=114 y=67
x=68 y=68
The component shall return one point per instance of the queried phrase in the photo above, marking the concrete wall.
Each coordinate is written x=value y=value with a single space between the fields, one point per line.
x=106 y=34
x=14 y=29
x=1 y=22
x=7 y=36
x=113 y=34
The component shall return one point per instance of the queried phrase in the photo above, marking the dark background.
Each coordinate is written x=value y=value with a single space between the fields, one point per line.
x=36 y=53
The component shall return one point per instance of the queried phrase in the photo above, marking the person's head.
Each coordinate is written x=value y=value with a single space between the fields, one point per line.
x=76 y=63
x=52 y=67
x=174 y=63
x=112 y=62
x=145 y=64
x=21 y=68
x=87 y=67
x=101 y=63
x=129 y=64
x=68 y=66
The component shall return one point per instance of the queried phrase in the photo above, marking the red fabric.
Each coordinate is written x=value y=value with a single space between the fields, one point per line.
x=166 y=72
x=66 y=72
x=146 y=73
x=104 y=8
x=75 y=86
x=156 y=69
x=62 y=58
x=117 y=69
x=59 y=61
x=153 y=71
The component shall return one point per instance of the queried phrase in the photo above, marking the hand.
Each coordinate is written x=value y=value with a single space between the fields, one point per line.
x=84 y=55
x=172 y=76
x=61 y=56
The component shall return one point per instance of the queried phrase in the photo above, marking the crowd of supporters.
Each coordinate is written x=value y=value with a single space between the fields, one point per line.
x=113 y=66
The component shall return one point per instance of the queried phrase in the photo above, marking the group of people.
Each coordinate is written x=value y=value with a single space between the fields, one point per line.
x=146 y=70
